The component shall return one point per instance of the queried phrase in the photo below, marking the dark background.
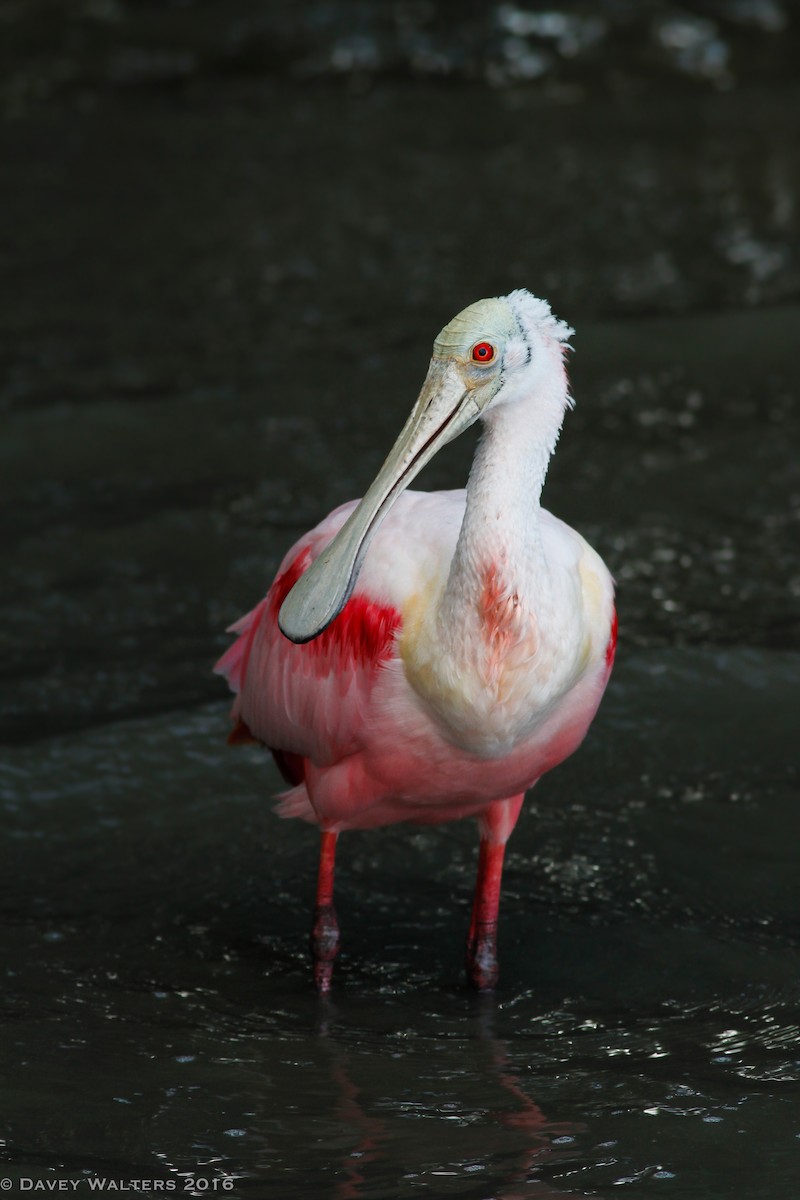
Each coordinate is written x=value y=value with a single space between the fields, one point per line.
x=230 y=234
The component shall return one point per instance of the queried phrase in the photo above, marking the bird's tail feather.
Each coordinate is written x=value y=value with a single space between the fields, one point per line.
x=295 y=803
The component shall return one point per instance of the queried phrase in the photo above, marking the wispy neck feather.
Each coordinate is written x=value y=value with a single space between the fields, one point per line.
x=537 y=313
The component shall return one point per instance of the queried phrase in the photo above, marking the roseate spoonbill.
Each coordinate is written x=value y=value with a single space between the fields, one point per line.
x=428 y=656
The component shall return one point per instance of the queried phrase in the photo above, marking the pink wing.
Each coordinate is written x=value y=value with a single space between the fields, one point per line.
x=307 y=701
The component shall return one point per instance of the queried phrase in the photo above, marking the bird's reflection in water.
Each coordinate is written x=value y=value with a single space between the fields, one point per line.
x=371 y=1132
x=539 y=1133
x=510 y=1175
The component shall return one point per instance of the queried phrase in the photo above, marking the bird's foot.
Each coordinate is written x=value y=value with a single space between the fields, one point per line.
x=324 y=946
x=481 y=959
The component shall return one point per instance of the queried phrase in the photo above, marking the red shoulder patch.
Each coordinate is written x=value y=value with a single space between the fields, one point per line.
x=362 y=634
x=611 y=648
x=286 y=581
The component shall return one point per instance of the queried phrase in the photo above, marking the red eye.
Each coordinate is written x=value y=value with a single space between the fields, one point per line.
x=482 y=352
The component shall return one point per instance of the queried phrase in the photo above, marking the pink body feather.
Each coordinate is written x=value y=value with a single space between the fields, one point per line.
x=347 y=729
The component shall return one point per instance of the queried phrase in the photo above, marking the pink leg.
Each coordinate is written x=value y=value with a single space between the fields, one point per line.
x=481 y=960
x=495 y=826
x=325 y=930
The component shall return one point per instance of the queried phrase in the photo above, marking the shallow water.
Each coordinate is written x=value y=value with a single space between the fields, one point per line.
x=222 y=285
x=646 y=1028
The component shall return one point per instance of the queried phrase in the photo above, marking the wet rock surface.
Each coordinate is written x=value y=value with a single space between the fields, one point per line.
x=234 y=234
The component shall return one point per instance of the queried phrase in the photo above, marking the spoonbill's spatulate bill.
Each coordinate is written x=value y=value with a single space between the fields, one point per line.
x=427 y=656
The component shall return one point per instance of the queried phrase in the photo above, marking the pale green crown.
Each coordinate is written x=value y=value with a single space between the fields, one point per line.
x=492 y=320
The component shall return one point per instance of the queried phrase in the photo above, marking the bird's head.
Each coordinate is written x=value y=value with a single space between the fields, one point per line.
x=499 y=351
x=494 y=353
